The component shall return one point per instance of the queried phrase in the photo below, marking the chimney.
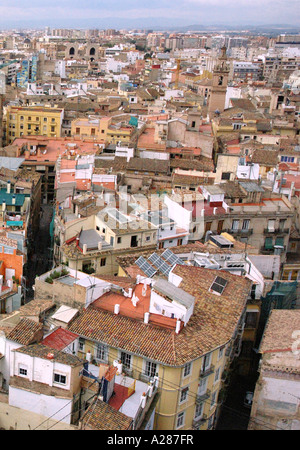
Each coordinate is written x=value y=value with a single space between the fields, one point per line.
x=88 y=356
x=150 y=389
x=8 y=187
x=143 y=400
x=99 y=245
x=14 y=200
x=178 y=325
x=117 y=309
x=84 y=249
x=146 y=317
x=215 y=210
x=3 y=206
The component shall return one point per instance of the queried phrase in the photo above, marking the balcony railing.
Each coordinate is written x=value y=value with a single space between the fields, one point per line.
x=202 y=397
x=199 y=421
x=246 y=232
x=206 y=372
x=276 y=230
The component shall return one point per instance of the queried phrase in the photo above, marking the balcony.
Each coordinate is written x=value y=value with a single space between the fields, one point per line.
x=206 y=372
x=199 y=421
x=202 y=397
x=246 y=232
x=276 y=230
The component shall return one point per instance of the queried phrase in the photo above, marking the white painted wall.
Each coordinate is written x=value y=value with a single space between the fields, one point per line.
x=180 y=215
x=48 y=406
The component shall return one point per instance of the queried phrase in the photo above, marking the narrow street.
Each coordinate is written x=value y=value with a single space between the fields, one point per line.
x=40 y=259
x=234 y=415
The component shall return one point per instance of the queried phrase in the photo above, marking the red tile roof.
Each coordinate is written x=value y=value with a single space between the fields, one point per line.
x=59 y=339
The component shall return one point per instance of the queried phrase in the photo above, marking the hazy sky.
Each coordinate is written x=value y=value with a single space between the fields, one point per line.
x=145 y=13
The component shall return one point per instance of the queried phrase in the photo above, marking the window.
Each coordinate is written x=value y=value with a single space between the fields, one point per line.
x=187 y=370
x=101 y=352
x=210 y=422
x=147 y=238
x=180 y=419
x=217 y=375
x=271 y=225
x=221 y=352
x=268 y=243
x=126 y=360
x=150 y=369
x=225 y=176
x=213 y=399
x=81 y=344
x=281 y=224
x=199 y=410
x=235 y=225
x=246 y=224
x=184 y=395
x=202 y=386
x=119 y=240
x=206 y=362
x=23 y=371
x=61 y=379
x=103 y=262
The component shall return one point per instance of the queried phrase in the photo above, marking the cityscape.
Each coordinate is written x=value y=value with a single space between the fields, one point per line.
x=150 y=217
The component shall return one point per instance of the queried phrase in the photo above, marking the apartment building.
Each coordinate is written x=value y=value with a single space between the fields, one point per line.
x=37 y=121
x=261 y=219
x=93 y=243
x=102 y=128
x=173 y=329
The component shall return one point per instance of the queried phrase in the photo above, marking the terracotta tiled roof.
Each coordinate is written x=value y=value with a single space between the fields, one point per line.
x=44 y=352
x=101 y=416
x=279 y=329
x=202 y=163
x=212 y=324
x=265 y=157
x=25 y=332
x=36 y=307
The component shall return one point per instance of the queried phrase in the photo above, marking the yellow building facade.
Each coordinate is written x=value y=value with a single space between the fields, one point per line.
x=32 y=121
x=188 y=394
x=101 y=129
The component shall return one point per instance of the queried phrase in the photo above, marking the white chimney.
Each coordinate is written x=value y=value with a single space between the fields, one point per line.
x=146 y=317
x=143 y=400
x=178 y=325
x=99 y=245
x=150 y=389
x=215 y=210
x=3 y=206
x=14 y=200
x=84 y=249
x=120 y=368
x=117 y=309
x=144 y=290
x=8 y=187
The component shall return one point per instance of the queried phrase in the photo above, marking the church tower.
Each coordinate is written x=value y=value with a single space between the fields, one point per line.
x=219 y=85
